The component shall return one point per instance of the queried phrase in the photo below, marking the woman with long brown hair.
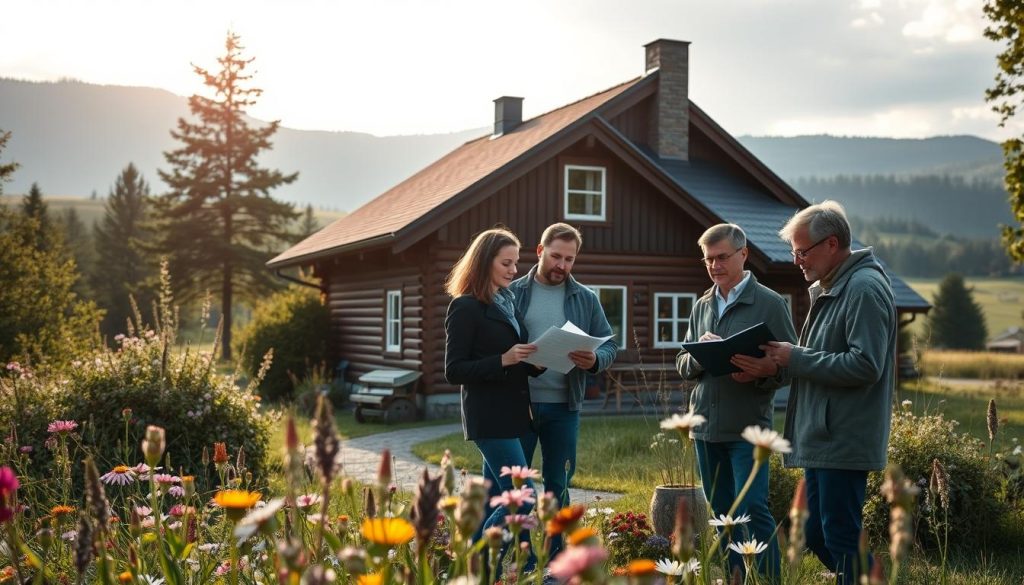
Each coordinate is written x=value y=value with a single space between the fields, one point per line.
x=484 y=353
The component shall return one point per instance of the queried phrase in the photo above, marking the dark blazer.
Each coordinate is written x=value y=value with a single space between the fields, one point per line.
x=495 y=399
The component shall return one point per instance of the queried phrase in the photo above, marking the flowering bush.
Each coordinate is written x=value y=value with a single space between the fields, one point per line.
x=115 y=393
x=629 y=536
x=974 y=503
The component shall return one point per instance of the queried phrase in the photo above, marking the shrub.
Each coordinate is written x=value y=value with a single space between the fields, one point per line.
x=974 y=503
x=781 y=487
x=293 y=323
x=629 y=536
x=178 y=390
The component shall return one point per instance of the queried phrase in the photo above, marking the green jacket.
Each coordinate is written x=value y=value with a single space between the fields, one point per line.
x=730 y=406
x=840 y=401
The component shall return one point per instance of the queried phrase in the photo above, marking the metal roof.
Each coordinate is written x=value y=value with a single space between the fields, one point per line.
x=759 y=214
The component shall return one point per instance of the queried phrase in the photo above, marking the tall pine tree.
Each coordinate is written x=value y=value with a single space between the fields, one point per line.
x=43 y=236
x=78 y=245
x=219 y=221
x=6 y=169
x=124 y=267
x=956 y=320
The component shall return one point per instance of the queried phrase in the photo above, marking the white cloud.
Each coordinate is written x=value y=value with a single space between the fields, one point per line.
x=952 y=21
x=910 y=121
x=872 y=19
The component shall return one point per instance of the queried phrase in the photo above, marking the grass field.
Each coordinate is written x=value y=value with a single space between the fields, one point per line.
x=1001 y=299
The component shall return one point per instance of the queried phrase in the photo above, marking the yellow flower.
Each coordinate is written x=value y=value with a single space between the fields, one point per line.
x=387 y=531
x=125 y=577
x=370 y=579
x=236 y=502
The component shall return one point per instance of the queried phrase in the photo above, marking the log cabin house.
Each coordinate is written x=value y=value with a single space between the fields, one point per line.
x=639 y=168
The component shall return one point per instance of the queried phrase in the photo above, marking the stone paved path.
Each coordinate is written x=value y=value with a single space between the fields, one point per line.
x=361 y=457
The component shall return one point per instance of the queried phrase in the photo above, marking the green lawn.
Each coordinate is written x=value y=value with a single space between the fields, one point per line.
x=1001 y=299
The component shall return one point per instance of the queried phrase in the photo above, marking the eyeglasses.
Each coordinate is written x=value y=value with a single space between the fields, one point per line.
x=720 y=258
x=802 y=254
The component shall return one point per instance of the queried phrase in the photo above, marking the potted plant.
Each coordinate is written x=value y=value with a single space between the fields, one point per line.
x=678 y=475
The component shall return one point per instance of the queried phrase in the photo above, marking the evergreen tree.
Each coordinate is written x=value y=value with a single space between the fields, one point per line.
x=308 y=223
x=41 y=318
x=1007 y=27
x=44 y=236
x=6 y=169
x=956 y=320
x=124 y=267
x=78 y=246
x=220 y=223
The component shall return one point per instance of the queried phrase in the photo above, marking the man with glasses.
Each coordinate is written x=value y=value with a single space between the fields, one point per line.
x=840 y=401
x=733 y=402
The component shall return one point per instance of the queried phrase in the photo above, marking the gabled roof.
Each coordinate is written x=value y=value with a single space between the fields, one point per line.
x=419 y=195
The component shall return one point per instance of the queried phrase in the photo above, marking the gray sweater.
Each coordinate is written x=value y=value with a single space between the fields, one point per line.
x=840 y=402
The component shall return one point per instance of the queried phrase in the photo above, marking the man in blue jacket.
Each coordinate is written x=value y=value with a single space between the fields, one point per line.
x=549 y=296
x=840 y=400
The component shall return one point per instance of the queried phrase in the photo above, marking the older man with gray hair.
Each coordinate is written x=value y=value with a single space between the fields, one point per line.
x=840 y=401
x=733 y=402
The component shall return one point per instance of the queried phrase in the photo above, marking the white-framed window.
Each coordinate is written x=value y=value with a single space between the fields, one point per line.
x=393 y=322
x=585 y=196
x=613 y=301
x=671 y=318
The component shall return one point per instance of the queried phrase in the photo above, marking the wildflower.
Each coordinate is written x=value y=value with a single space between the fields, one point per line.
x=83 y=542
x=142 y=471
x=220 y=454
x=565 y=519
x=766 y=442
x=25 y=449
x=166 y=479
x=260 y=518
x=992 y=418
x=523 y=521
x=941 y=481
x=8 y=484
x=748 y=548
x=370 y=579
x=470 y=511
x=325 y=440
x=585 y=535
x=578 y=561
x=901 y=494
x=153 y=445
x=69 y=536
x=424 y=508
x=797 y=520
x=176 y=490
x=726 y=521
x=61 y=427
x=307 y=500
x=384 y=470
x=514 y=499
x=209 y=547
x=683 y=423
x=95 y=495
x=120 y=475
x=387 y=531
x=519 y=474
x=179 y=510
x=225 y=567
x=669 y=567
x=60 y=511
x=639 y=567
x=236 y=502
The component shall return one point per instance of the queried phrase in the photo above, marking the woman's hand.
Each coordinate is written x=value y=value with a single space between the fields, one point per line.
x=517 y=353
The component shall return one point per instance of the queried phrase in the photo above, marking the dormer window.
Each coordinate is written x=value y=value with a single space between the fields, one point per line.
x=585 y=196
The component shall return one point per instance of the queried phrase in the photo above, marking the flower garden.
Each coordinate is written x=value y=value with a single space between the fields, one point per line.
x=143 y=463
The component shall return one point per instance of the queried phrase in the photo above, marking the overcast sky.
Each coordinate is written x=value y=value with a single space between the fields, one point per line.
x=901 y=68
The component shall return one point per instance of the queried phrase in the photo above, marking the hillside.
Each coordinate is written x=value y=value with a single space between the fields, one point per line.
x=73 y=138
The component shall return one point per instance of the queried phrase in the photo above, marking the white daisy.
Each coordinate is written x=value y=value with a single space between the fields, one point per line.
x=683 y=423
x=726 y=521
x=748 y=548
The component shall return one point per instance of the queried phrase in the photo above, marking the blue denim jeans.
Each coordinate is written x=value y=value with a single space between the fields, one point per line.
x=724 y=469
x=835 y=506
x=498 y=453
x=556 y=428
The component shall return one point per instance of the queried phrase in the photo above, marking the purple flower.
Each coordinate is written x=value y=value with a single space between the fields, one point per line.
x=61 y=427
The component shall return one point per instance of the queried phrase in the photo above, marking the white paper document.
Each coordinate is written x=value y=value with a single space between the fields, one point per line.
x=554 y=345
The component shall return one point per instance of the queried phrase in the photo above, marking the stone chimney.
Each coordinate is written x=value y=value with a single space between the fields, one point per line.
x=508 y=114
x=669 y=123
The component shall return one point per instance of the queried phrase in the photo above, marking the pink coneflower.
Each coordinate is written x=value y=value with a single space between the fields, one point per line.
x=176 y=490
x=143 y=471
x=143 y=511
x=519 y=474
x=307 y=500
x=577 y=560
x=514 y=499
x=61 y=427
x=179 y=510
x=166 y=479
x=524 y=521
x=120 y=475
